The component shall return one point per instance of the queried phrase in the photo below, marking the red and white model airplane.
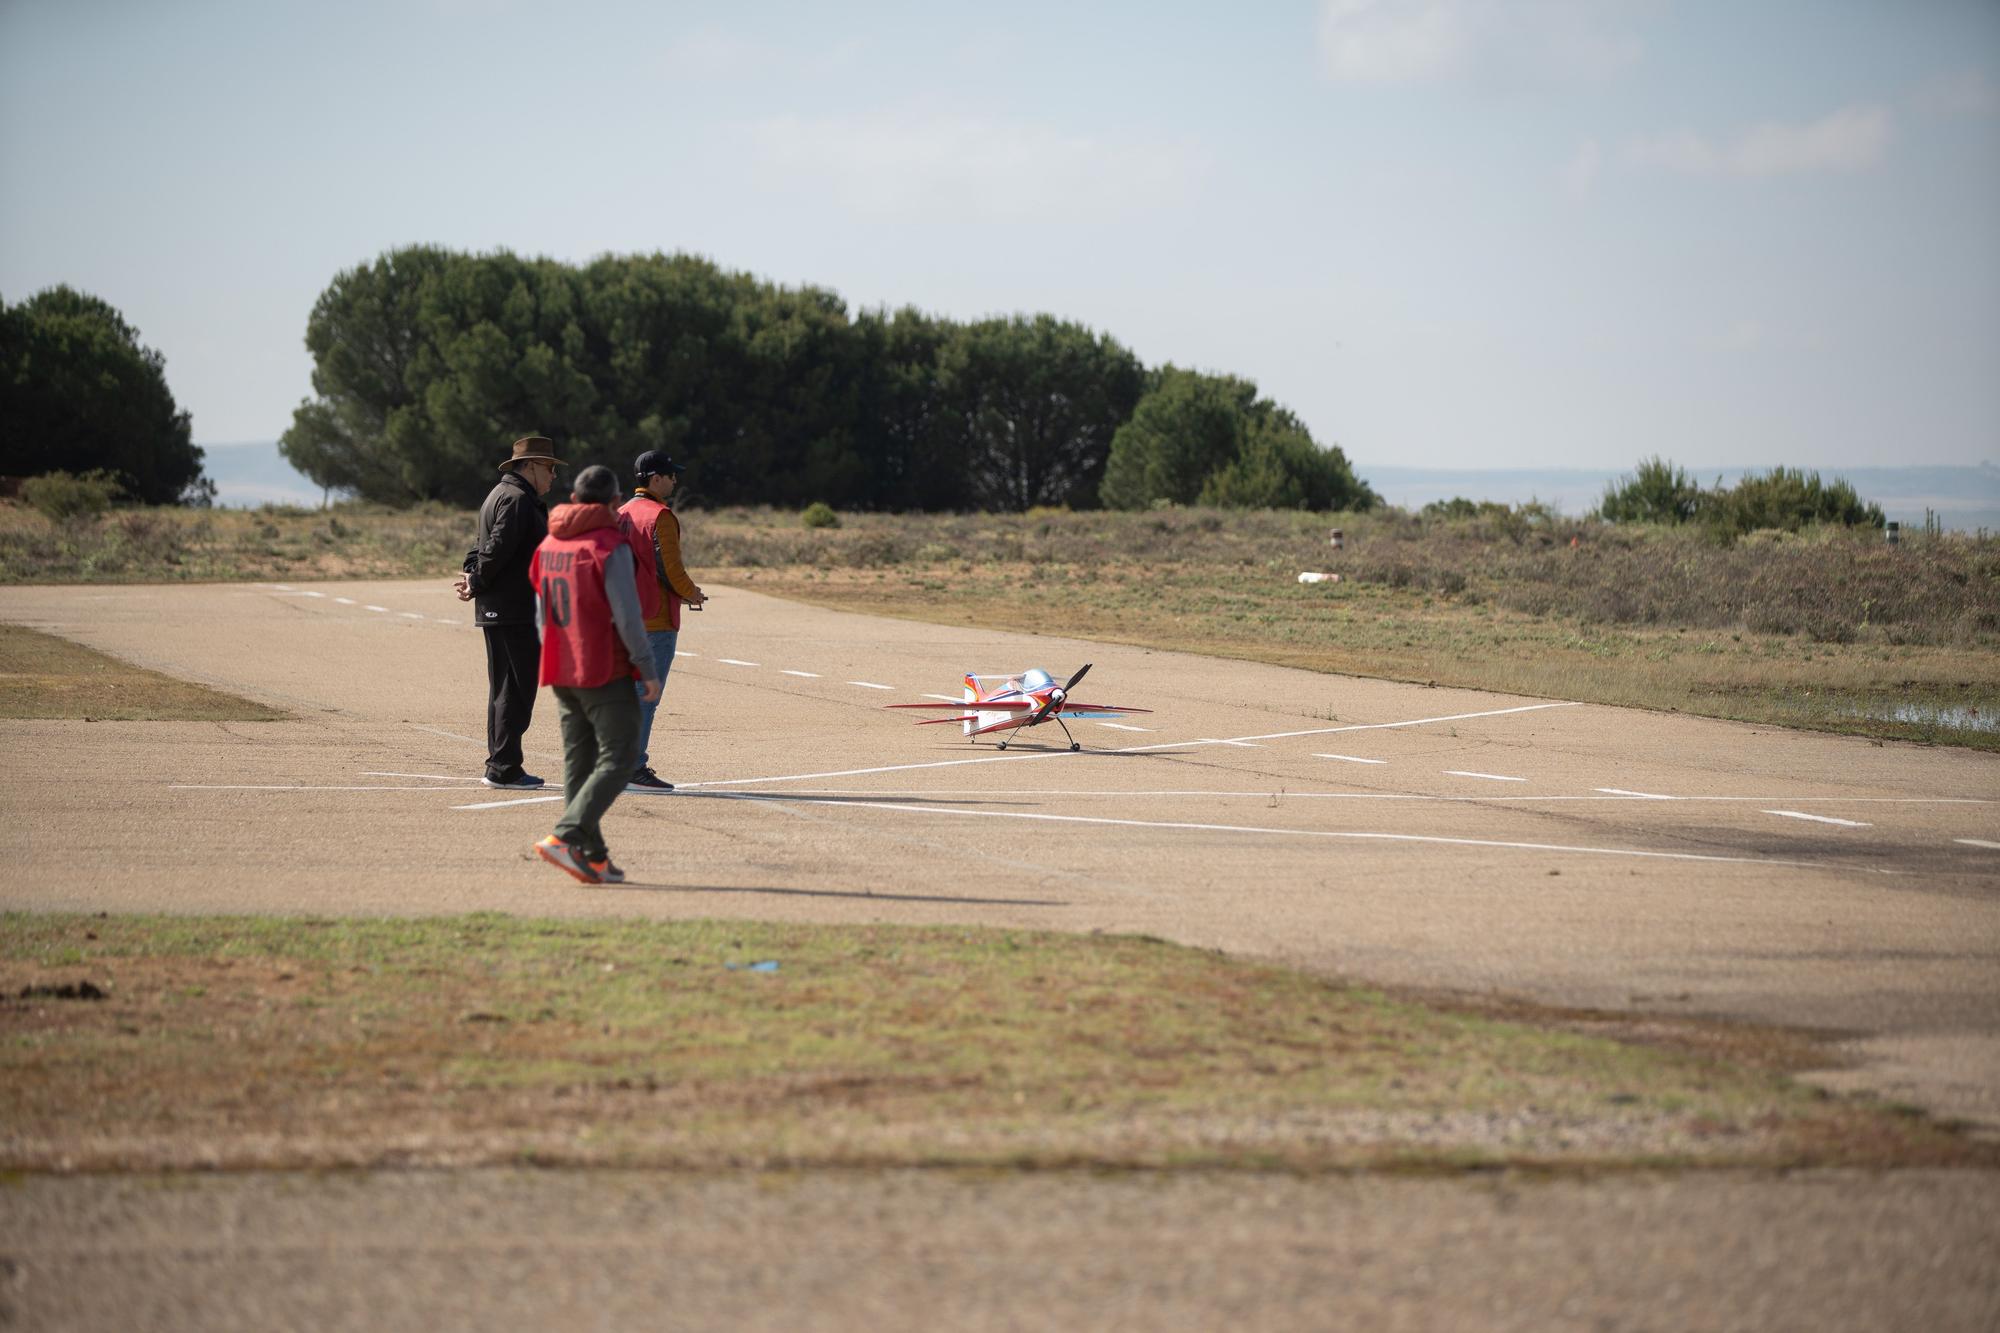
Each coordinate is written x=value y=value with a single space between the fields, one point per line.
x=1006 y=703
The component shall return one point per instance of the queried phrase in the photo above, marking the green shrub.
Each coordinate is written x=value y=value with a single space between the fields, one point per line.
x=819 y=514
x=1658 y=492
x=61 y=495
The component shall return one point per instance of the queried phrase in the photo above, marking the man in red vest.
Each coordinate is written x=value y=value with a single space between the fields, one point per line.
x=593 y=647
x=656 y=533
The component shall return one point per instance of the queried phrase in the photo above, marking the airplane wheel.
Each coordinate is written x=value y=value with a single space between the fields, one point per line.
x=1074 y=746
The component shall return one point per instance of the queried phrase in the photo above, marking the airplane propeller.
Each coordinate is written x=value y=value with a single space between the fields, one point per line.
x=1070 y=684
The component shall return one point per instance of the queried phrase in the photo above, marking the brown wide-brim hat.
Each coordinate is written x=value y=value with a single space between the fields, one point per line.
x=533 y=449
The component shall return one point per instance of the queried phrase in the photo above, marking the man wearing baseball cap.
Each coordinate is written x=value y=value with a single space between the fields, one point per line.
x=512 y=524
x=650 y=514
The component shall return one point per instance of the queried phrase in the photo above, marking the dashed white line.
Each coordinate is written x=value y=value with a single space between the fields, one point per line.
x=345 y=601
x=1641 y=795
x=411 y=615
x=1210 y=740
x=735 y=661
x=1125 y=726
x=383 y=609
x=1350 y=758
x=1819 y=819
x=683 y=652
x=311 y=593
x=870 y=685
x=808 y=675
x=1490 y=777
x=948 y=698
x=1978 y=842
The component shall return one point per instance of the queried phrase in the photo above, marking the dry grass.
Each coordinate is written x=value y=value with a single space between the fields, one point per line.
x=188 y=1042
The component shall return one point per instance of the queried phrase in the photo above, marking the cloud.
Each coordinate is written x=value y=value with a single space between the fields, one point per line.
x=1850 y=139
x=1579 y=178
x=973 y=168
x=1412 y=41
x=1395 y=41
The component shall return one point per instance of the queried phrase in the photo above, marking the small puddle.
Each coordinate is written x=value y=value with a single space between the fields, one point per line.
x=1950 y=717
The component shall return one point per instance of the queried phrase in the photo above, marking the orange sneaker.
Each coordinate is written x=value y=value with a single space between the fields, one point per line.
x=606 y=872
x=566 y=859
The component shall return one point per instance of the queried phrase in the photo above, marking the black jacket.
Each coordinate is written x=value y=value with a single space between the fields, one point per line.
x=512 y=524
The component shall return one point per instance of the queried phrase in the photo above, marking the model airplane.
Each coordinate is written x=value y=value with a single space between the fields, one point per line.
x=1007 y=703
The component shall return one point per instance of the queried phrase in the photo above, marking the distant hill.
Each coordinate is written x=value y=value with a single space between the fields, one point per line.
x=249 y=475
x=1964 y=499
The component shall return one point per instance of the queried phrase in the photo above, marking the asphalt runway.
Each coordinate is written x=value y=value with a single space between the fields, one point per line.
x=1448 y=839
x=1566 y=853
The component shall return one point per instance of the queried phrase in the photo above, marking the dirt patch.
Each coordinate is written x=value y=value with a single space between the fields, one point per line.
x=44 y=676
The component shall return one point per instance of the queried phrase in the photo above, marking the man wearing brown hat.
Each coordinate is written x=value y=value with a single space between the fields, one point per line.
x=512 y=524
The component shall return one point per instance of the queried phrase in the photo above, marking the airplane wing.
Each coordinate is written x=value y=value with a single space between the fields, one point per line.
x=983 y=705
x=1001 y=725
x=1076 y=710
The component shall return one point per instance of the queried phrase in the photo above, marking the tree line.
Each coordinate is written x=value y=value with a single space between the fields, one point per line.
x=428 y=361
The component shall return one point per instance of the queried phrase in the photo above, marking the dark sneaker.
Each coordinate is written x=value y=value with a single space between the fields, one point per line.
x=606 y=873
x=522 y=781
x=646 y=780
x=566 y=859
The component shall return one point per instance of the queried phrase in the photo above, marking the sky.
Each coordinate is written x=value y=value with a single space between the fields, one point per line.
x=1445 y=233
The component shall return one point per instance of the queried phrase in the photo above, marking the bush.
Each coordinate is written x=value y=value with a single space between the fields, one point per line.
x=1787 y=499
x=819 y=514
x=1658 y=492
x=61 y=495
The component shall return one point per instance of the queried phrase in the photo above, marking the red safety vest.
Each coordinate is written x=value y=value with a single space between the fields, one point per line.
x=643 y=512
x=580 y=646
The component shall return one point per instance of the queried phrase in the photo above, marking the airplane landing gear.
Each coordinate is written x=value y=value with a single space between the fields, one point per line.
x=1073 y=745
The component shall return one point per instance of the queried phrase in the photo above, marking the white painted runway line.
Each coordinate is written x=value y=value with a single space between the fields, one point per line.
x=345 y=601
x=948 y=698
x=311 y=593
x=1125 y=726
x=1210 y=740
x=1351 y=759
x=448 y=735
x=1640 y=795
x=733 y=661
x=1978 y=842
x=292 y=786
x=375 y=608
x=685 y=652
x=809 y=675
x=1819 y=819
x=441 y=777
x=782 y=798
x=519 y=800
x=411 y=615
x=1490 y=777
x=870 y=685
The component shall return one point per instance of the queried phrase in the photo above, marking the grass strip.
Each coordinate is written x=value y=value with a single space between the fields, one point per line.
x=44 y=676
x=224 y=1042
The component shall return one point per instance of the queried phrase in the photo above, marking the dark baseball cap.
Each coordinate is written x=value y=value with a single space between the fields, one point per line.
x=655 y=462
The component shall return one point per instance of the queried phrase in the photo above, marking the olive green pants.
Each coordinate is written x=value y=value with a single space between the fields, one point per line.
x=600 y=732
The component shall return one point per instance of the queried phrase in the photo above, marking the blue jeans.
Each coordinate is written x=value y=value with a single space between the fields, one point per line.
x=663 y=641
